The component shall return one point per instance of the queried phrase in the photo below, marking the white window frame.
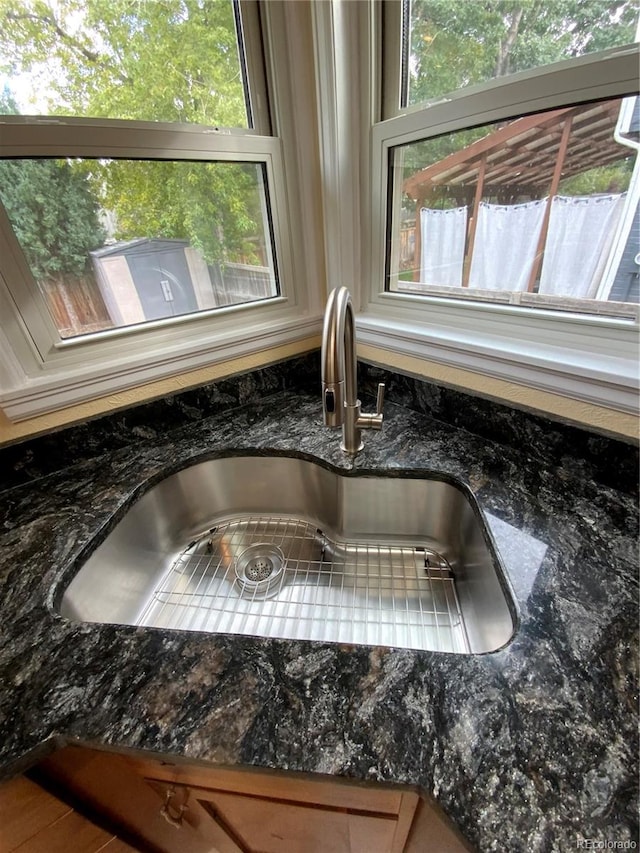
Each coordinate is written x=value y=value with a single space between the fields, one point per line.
x=39 y=371
x=585 y=358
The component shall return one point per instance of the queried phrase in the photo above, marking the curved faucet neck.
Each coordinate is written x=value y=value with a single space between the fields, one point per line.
x=340 y=403
x=339 y=363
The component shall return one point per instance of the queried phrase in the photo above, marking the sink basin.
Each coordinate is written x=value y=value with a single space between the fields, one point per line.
x=281 y=546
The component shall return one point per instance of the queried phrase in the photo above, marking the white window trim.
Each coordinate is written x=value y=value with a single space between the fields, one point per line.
x=590 y=359
x=40 y=373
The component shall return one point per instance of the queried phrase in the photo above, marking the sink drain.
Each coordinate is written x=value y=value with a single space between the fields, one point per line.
x=259 y=568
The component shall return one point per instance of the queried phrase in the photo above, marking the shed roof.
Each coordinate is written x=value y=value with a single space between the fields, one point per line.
x=139 y=246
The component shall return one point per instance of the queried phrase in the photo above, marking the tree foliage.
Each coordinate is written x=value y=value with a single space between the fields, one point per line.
x=213 y=205
x=53 y=211
x=147 y=60
x=54 y=214
x=456 y=43
x=155 y=60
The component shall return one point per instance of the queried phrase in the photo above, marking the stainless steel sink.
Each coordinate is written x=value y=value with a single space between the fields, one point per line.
x=281 y=546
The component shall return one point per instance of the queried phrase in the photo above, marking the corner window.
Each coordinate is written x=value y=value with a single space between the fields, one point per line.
x=540 y=210
x=505 y=187
x=144 y=200
x=109 y=242
x=537 y=209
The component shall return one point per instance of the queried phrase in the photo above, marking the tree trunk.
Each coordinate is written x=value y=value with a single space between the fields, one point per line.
x=506 y=45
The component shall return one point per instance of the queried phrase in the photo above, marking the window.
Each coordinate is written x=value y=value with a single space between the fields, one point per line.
x=448 y=46
x=505 y=209
x=529 y=211
x=144 y=197
x=113 y=243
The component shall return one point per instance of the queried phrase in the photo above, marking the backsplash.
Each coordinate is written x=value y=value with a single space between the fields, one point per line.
x=36 y=457
x=605 y=460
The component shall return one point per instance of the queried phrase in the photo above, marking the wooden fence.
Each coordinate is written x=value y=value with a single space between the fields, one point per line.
x=76 y=305
x=407 y=246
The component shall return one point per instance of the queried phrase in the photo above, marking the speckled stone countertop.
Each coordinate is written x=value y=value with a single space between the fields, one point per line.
x=533 y=747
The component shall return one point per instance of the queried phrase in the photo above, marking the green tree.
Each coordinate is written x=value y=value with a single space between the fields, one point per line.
x=213 y=205
x=456 y=43
x=158 y=60
x=155 y=60
x=54 y=215
x=53 y=211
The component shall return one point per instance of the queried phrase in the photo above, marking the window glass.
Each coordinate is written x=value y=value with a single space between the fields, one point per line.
x=450 y=44
x=114 y=243
x=148 y=60
x=541 y=210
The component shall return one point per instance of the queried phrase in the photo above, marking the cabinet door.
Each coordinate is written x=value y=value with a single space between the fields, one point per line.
x=260 y=824
x=180 y=807
x=104 y=784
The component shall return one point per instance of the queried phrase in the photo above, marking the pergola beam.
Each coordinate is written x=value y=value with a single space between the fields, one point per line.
x=553 y=190
x=473 y=224
x=524 y=145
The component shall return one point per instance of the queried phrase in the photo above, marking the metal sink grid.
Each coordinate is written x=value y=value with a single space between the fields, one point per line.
x=314 y=588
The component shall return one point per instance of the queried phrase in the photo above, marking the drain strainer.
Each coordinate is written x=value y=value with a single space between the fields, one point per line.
x=259 y=568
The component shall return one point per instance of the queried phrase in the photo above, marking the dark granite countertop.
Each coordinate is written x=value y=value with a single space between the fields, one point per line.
x=533 y=747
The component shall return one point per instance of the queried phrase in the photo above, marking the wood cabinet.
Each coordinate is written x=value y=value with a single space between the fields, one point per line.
x=195 y=808
x=252 y=820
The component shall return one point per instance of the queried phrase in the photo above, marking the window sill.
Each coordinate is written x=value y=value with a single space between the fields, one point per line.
x=49 y=390
x=599 y=369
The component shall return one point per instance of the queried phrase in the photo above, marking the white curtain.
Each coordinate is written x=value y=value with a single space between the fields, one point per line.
x=505 y=245
x=442 y=234
x=580 y=236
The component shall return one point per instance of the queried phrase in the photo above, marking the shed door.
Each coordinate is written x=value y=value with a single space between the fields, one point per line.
x=163 y=283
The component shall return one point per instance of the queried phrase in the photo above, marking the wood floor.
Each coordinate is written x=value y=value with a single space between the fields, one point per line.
x=34 y=821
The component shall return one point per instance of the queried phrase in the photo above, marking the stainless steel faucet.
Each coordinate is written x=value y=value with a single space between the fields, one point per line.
x=340 y=403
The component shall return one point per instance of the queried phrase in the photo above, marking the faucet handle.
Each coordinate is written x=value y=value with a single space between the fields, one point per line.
x=366 y=420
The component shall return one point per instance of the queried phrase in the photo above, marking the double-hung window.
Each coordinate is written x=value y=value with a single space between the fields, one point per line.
x=144 y=227
x=505 y=188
